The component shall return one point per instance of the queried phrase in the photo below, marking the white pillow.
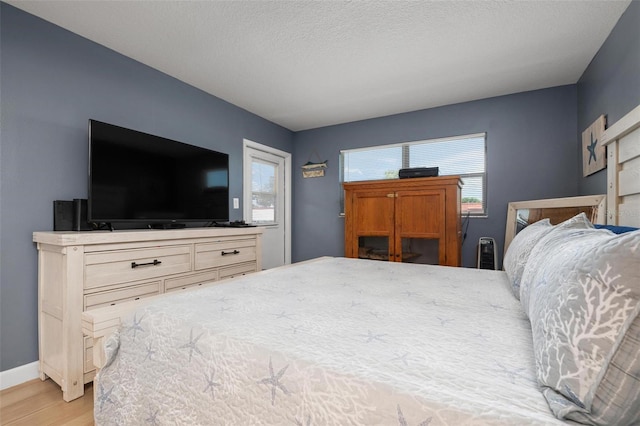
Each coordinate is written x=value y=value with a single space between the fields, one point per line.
x=540 y=252
x=519 y=250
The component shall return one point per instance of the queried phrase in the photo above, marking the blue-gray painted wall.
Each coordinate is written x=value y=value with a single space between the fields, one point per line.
x=52 y=81
x=610 y=86
x=530 y=154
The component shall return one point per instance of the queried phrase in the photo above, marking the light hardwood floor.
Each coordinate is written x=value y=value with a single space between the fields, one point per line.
x=40 y=403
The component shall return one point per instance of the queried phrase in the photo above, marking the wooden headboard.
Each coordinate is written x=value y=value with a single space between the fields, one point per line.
x=555 y=209
x=622 y=140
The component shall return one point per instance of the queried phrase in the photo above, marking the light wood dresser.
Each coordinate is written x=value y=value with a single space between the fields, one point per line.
x=79 y=271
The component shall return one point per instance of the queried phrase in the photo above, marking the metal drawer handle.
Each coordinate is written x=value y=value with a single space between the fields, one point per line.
x=230 y=252
x=155 y=262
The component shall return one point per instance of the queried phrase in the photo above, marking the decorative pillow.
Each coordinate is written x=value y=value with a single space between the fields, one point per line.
x=518 y=252
x=584 y=312
x=544 y=248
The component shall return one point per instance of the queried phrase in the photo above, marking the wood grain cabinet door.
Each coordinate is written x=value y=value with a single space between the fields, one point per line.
x=420 y=226
x=370 y=215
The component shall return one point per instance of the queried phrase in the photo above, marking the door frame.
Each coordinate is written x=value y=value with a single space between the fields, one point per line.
x=248 y=145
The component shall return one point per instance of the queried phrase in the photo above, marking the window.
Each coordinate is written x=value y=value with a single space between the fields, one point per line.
x=263 y=191
x=462 y=155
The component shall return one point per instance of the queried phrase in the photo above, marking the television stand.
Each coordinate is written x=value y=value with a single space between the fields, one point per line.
x=80 y=271
x=167 y=226
x=234 y=224
x=99 y=226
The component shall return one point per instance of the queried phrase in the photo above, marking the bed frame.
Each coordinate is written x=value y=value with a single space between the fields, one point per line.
x=623 y=200
x=623 y=175
x=557 y=210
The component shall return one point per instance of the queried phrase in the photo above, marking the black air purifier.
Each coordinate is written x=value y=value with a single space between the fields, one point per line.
x=487 y=257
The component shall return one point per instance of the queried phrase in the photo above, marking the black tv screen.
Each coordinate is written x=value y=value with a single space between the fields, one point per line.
x=138 y=177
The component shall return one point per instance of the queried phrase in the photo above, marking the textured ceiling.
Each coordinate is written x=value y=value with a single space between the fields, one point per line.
x=308 y=64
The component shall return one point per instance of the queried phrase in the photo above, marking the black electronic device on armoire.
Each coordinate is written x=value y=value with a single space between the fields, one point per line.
x=487 y=256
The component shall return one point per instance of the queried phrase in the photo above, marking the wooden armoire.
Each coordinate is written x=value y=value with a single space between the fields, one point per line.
x=413 y=220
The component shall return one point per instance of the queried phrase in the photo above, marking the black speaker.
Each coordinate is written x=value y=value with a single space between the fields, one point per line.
x=80 y=215
x=70 y=215
x=487 y=256
x=62 y=215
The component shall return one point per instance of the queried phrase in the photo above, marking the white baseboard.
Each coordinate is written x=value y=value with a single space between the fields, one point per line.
x=19 y=375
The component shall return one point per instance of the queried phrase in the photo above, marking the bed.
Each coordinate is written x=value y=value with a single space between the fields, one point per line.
x=352 y=341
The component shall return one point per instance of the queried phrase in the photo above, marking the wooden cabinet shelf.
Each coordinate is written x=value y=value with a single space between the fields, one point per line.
x=404 y=220
x=80 y=271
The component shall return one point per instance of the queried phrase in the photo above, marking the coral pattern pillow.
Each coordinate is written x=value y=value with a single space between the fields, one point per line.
x=539 y=253
x=584 y=310
x=519 y=250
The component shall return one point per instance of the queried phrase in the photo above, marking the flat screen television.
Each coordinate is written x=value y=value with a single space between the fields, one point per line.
x=139 y=178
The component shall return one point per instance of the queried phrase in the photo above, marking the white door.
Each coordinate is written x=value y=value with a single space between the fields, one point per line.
x=267 y=199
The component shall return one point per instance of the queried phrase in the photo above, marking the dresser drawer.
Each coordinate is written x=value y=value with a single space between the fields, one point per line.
x=113 y=297
x=236 y=270
x=190 y=281
x=115 y=267
x=221 y=253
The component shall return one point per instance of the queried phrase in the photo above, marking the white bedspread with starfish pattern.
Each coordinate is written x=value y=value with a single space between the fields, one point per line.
x=331 y=342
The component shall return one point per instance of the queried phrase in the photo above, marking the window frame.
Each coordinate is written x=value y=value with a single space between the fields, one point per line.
x=406 y=160
x=273 y=193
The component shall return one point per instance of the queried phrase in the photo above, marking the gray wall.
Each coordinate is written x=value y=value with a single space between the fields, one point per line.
x=530 y=154
x=610 y=86
x=52 y=82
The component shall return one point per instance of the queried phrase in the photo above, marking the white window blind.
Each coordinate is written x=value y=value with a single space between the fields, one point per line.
x=461 y=155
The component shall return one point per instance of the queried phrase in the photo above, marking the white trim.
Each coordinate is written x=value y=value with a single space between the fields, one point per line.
x=275 y=151
x=19 y=375
x=246 y=192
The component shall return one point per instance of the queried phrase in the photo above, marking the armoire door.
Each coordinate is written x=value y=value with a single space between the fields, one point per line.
x=372 y=219
x=420 y=226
